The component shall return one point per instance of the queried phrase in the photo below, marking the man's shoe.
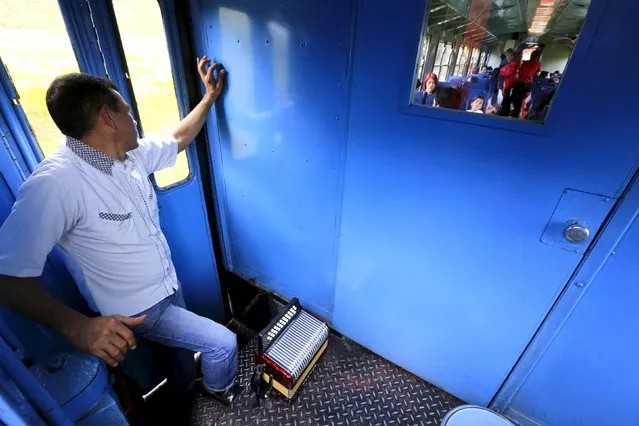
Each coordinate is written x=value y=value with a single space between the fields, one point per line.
x=225 y=397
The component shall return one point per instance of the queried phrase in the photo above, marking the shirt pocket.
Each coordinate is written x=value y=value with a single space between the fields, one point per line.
x=114 y=226
x=114 y=217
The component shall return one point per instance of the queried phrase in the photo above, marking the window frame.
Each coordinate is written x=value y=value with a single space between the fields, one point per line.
x=120 y=74
x=444 y=61
x=420 y=26
x=439 y=57
x=173 y=42
x=485 y=54
x=423 y=56
x=17 y=124
x=462 y=57
x=446 y=64
x=474 y=58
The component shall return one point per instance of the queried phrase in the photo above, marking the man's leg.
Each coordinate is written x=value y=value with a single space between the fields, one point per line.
x=517 y=97
x=170 y=324
x=505 y=103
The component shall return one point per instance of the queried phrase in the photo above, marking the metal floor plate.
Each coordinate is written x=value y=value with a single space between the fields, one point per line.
x=349 y=386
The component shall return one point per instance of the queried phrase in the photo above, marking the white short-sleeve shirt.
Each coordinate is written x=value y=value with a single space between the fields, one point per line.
x=103 y=213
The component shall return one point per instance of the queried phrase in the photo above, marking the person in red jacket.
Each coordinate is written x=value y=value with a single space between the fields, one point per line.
x=527 y=71
x=509 y=73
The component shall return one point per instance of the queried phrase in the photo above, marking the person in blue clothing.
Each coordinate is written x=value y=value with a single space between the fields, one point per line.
x=426 y=96
x=477 y=105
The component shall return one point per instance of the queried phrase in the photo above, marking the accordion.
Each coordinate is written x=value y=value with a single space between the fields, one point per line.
x=289 y=347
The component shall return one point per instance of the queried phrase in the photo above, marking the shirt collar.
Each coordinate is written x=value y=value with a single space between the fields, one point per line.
x=95 y=158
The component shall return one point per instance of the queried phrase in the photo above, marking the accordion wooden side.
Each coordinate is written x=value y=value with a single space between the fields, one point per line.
x=289 y=347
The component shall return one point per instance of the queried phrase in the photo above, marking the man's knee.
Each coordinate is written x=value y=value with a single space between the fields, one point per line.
x=224 y=343
x=230 y=341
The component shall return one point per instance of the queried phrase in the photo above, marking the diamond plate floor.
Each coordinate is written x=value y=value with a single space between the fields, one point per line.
x=349 y=386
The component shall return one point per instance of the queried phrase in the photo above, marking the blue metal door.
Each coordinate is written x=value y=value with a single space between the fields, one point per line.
x=452 y=246
x=277 y=142
x=582 y=367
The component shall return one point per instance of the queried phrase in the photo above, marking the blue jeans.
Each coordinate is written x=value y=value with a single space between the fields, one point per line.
x=171 y=324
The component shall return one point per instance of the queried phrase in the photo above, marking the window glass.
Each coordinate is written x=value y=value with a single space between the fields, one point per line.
x=147 y=56
x=439 y=56
x=462 y=57
x=474 y=62
x=444 y=53
x=523 y=44
x=422 y=59
x=35 y=49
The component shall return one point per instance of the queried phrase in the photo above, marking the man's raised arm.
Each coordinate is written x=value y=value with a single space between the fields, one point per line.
x=188 y=128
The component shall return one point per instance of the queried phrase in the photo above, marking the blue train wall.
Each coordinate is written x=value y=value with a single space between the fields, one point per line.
x=432 y=237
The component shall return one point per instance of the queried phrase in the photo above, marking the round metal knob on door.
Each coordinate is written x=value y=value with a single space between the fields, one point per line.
x=577 y=233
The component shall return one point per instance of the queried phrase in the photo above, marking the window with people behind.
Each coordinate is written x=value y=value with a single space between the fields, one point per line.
x=504 y=58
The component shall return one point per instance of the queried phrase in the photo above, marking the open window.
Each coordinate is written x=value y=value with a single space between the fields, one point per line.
x=508 y=57
x=147 y=56
x=36 y=49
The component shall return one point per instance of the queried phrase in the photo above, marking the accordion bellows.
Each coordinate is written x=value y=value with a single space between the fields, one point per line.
x=289 y=347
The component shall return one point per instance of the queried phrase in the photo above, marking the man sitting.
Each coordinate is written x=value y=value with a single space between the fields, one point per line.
x=94 y=199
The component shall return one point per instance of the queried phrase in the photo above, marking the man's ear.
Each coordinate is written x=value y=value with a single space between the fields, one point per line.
x=106 y=115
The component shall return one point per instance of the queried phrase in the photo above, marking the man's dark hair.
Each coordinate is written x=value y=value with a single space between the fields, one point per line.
x=444 y=97
x=73 y=101
x=448 y=97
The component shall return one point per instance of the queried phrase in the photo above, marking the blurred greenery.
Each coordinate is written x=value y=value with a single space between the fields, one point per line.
x=35 y=48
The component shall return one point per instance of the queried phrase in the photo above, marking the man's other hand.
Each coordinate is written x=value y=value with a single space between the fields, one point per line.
x=108 y=338
x=213 y=86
